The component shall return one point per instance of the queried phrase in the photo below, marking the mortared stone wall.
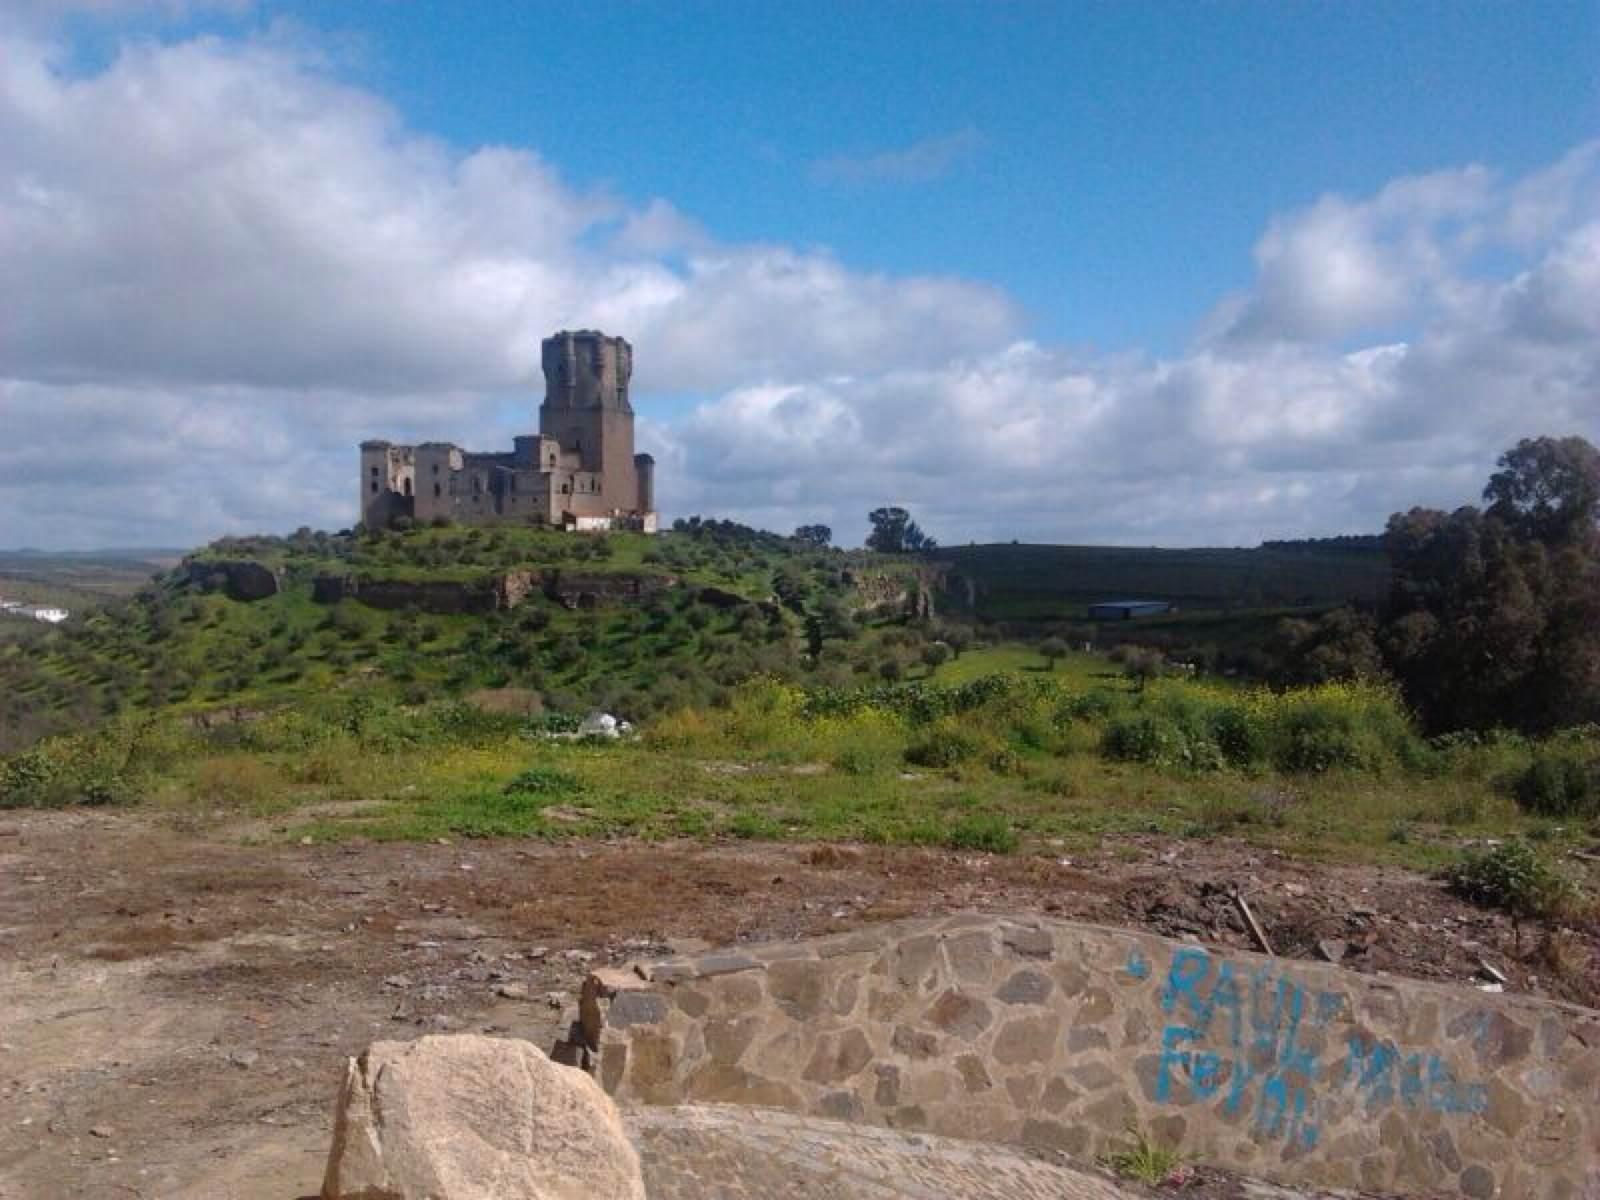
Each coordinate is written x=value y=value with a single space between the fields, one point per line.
x=1062 y=1037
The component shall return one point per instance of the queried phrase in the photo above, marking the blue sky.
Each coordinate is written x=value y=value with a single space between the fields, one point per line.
x=1109 y=164
x=1176 y=208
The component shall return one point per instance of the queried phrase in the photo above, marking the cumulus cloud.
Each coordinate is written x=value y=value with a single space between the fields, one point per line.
x=232 y=266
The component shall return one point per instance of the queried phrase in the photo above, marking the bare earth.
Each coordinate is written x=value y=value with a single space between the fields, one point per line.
x=175 y=1007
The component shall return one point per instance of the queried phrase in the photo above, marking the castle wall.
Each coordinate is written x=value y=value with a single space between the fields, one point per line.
x=387 y=482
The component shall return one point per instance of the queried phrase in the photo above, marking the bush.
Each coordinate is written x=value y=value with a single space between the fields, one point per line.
x=1514 y=877
x=944 y=745
x=1156 y=739
x=1241 y=738
x=26 y=779
x=236 y=780
x=983 y=832
x=1559 y=785
x=543 y=781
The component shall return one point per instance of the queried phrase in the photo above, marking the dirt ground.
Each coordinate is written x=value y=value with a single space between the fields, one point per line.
x=176 y=1007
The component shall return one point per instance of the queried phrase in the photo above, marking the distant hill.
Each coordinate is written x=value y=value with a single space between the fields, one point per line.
x=79 y=579
x=1018 y=582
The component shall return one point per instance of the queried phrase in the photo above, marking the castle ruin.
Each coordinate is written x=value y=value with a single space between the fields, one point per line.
x=578 y=473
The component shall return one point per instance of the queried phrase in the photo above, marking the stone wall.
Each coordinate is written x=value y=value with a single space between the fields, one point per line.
x=1062 y=1037
x=575 y=589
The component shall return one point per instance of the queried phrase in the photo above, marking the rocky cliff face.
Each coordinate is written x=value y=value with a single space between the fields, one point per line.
x=910 y=590
x=241 y=579
x=491 y=592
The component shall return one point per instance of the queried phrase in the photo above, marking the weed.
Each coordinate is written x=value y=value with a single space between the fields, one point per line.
x=236 y=781
x=1145 y=1160
x=1515 y=877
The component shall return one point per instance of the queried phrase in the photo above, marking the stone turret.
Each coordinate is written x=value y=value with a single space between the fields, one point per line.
x=586 y=408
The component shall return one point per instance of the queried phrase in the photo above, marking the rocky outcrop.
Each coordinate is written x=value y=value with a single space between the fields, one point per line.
x=716 y=597
x=444 y=596
x=475 y=1118
x=491 y=592
x=582 y=589
x=240 y=579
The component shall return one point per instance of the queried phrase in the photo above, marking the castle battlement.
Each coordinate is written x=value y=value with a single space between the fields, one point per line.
x=578 y=472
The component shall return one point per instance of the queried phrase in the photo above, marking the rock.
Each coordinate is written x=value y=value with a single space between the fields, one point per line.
x=599 y=724
x=1333 y=949
x=512 y=991
x=466 y=1117
x=101 y=1131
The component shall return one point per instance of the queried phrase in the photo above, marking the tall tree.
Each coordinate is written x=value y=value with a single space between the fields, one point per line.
x=1494 y=616
x=1547 y=489
x=894 y=532
x=814 y=535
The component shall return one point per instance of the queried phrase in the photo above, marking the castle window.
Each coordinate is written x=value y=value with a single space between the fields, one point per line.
x=436 y=489
x=435 y=468
x=374 y=487
x=408 y=487
x=565 y=488
x=374 y=472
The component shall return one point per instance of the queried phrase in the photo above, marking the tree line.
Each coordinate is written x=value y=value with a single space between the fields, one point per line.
x=1493 y=613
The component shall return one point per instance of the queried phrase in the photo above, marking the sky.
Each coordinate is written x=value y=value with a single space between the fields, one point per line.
x=1140 y=273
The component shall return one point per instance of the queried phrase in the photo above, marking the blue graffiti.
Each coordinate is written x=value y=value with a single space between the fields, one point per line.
x=1253 y=1036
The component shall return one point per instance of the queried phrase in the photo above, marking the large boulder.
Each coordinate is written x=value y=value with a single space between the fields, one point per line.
x=465 y=1117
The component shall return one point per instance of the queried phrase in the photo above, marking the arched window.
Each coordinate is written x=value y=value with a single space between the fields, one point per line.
x=566 y=488
x=408 y=487
x=374 y=487
x=436 y=489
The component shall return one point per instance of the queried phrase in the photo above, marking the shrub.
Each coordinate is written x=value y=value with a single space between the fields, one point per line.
x=1514 y=877
x=1143 y=737
x=1241 y=738
x=543 y=781
x=26 y=779
x=1559 y=785
x=236 y=780
x=985 y=832
x=944 y=745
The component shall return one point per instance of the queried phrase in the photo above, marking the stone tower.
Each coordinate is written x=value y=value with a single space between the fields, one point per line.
x=586 y=408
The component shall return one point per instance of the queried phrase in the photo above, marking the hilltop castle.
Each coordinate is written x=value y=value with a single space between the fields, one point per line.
x=580 y=472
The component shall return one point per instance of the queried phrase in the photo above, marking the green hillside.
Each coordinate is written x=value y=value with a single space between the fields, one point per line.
x=627 y=622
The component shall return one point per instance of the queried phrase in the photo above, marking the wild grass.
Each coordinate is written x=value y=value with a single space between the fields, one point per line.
x=1026 y=761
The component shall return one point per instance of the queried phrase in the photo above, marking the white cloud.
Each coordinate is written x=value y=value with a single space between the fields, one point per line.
x=235 y=266
x=920 y=162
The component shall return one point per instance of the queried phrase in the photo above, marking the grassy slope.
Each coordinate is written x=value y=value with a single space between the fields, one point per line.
x=178 y=645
